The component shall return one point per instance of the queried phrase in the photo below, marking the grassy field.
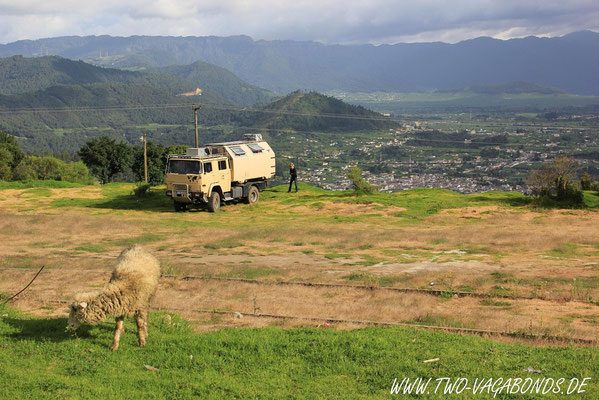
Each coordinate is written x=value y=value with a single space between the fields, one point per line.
x=538 y=267
x=40 y=360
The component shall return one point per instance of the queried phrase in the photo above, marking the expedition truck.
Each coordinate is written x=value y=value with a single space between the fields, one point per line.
x=220 y=172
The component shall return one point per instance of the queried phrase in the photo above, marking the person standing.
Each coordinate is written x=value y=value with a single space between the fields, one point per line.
x=293 y=177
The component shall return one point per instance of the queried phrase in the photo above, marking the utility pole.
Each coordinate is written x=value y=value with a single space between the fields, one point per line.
x=196 y=108
x=144 y=139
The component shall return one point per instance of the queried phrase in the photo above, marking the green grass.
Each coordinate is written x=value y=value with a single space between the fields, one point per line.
x=418 y=203
x=38 y=184
x=41 y=360
x=251 y=272
x=591 y=199
x=91 y=248
x=567 y=250
x=227 y=243
x=147 y=238
x=490 y=302
x=38 y=192
x=332 y=256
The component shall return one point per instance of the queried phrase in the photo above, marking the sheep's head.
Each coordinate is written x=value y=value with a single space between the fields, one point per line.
x=77 y=314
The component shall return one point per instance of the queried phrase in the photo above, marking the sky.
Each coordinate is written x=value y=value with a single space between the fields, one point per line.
x=326 y=21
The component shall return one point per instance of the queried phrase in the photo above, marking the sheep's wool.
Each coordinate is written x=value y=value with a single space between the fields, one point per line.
x=130 y=289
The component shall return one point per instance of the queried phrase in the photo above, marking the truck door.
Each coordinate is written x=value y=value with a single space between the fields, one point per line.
x=209 y=177
x=224 y=174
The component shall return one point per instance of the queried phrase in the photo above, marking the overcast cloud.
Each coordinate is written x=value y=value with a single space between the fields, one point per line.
x=328 y=21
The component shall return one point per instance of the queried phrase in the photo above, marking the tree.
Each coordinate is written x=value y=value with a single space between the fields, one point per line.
x=105 y=157
x=360 y=185
x=556 y=177
x=586 y=182
x=564 y=171
x=10 y=155
x=156 y=163
x=5 y=164
x=9 y=142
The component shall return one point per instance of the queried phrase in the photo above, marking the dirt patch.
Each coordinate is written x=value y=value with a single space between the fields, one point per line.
x=77 y=193
x=427 y=266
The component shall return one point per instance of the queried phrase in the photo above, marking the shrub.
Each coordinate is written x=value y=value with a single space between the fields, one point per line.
x=360 y=185
x=142 y=190
x=557 y=177
x=586 y=182
x=47 y=167
x=5 y=165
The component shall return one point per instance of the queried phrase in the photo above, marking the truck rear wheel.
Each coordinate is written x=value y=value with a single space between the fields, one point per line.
x=180 y=206
x=253 y=195
x=214 y=202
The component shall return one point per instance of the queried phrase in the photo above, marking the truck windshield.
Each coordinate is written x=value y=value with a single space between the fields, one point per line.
x=184 y=167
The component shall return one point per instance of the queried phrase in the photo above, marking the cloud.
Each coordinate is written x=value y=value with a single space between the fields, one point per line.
x=329 y=21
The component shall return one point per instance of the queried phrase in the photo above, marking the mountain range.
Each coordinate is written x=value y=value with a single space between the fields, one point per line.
x=53 y=104
x=569 y=63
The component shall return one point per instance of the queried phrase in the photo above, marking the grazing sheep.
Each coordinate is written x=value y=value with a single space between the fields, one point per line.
x=129 y=292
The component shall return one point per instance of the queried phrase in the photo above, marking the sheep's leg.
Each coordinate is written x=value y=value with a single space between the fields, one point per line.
x=118 y=330
x=141 y=319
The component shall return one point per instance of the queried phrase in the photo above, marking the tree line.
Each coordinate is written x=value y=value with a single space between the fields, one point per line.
x=102 y=159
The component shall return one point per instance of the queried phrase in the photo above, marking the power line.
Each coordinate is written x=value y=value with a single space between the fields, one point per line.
x=91 y=108
x=209 y=105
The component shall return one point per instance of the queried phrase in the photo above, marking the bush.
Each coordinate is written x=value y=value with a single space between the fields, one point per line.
x=557 y=177
x=586 y=182
x=5 y=165
x=142 y=190
x=47 y=167
x=360 y=185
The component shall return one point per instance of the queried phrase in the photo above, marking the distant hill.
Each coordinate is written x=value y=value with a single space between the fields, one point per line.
x=21 y=75
x=124 y=111
x=113 y=106
x=221 y=81
x=313 y=111
x=517 y=87
x=569 y=63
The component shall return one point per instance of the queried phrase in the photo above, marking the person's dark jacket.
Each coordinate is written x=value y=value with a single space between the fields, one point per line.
x=293 y=173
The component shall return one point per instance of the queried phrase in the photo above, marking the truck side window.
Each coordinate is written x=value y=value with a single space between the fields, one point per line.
x=222 y=165
x=208 y=167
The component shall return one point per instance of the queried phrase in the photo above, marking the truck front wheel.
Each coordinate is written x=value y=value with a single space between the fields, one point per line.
x=253 y=195
x=214 y=202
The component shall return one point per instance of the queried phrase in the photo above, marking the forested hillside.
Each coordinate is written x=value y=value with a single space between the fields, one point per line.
x=219 y=80
x=317 y=112
x=569 y=63
x=21 y=75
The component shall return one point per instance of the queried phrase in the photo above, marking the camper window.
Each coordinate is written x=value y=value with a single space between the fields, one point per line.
x=208 y=167
x=237 y=150
x=255 y=148
x=222 y=165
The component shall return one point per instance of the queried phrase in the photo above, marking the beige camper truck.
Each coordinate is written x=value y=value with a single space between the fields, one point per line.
x=220 y=172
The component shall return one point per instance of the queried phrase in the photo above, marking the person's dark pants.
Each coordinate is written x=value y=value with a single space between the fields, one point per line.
x=292 y=180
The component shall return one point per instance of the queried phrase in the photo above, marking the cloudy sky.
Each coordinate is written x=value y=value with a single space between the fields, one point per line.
x=327 y=21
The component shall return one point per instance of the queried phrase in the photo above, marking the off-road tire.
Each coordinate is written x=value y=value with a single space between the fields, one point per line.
x=180 y=207
x=253 y=195
x=214 y=202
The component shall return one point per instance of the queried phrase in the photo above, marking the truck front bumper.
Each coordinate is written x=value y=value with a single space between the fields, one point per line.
x=185 y=196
